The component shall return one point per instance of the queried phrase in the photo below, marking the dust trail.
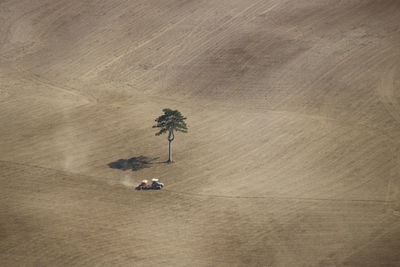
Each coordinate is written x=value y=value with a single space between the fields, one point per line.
x=69 y=140
x=127 y=181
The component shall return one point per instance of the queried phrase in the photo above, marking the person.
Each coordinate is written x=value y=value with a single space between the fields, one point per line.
x=156 y=185
x=142 y=185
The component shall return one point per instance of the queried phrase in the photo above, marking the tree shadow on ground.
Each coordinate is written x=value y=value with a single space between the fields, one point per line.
x=134 y=164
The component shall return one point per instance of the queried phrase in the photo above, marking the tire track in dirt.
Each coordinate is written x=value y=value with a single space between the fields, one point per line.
x=96 y=178
x=27 y=75
x=387 y=93
x=318 y=154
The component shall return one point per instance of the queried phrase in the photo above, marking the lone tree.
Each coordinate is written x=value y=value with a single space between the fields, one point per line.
x=170 y=122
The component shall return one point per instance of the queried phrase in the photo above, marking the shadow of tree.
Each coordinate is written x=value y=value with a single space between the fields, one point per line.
x=134 y=164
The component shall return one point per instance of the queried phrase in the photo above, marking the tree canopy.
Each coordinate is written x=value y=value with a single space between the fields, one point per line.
x=171 y=120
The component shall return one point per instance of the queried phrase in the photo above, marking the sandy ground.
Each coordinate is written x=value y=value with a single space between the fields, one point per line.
x=291 y=157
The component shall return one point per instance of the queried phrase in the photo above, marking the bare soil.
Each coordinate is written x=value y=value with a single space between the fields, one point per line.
x=292 y=155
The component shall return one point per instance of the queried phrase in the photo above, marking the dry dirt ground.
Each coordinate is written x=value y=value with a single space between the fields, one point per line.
x=292 y=158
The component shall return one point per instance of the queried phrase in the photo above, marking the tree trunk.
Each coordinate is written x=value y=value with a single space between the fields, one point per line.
x=171 y=138
x=169 y=151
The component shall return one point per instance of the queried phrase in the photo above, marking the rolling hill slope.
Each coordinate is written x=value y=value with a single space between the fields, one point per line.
x=291 y=157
